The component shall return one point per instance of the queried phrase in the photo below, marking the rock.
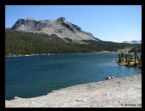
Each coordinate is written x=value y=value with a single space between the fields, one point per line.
x=16 y=97
x=29 y=18
x=112 y=77
x=62 y=19
x=82 y=100
x=76 y=27
x=106 y=94
x=18 y=23
x=68 y=26
x=108 y=78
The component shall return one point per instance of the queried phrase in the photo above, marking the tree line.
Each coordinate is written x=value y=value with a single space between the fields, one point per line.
x=21 y=43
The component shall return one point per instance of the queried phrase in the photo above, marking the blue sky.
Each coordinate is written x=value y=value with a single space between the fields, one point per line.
x=107 y=22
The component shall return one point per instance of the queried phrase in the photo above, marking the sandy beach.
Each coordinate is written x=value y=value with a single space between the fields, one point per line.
x=117 y=92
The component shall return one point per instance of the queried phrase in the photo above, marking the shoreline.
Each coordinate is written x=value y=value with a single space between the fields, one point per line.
x=108 y=93
x=126 y=65
x=58 y=54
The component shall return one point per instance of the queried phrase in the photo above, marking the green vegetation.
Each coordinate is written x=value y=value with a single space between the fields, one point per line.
x=137 y=49
x=21 y=43
x=130 y=59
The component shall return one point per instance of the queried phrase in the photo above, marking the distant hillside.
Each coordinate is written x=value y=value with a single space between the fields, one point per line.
x=133 y=42
x=18 y=42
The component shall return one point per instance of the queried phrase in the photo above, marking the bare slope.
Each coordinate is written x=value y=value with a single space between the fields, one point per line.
x=61 y=27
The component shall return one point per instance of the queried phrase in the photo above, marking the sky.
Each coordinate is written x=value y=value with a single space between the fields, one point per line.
x=115 y=23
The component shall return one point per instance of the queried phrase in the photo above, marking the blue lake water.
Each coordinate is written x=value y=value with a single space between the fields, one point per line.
x=33 y=76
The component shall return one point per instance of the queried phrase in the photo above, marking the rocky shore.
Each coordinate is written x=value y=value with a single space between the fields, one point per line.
x=115 y=92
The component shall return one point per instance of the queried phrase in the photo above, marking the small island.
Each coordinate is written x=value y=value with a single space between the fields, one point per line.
x=131 y=58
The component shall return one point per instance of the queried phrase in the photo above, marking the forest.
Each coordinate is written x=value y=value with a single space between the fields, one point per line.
x=21 y=43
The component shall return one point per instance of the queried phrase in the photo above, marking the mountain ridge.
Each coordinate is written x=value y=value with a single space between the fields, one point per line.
x=61 y=27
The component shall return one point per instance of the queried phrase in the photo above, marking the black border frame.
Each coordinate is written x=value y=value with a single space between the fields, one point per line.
x=52 y=2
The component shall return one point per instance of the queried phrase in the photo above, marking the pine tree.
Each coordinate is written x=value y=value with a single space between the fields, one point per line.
x=135 y=57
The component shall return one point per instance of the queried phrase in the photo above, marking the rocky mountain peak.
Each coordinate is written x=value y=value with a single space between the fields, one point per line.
x=30 y=18
x=61 y=19
x=61 y=27
x=18 y=23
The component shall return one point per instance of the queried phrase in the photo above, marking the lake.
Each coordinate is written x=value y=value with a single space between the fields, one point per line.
x=33 y=76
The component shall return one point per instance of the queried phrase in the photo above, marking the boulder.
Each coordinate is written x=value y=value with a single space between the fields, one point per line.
x=16 y=97
x=110 y=77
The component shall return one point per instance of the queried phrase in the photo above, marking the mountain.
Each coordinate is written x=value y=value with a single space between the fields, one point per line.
x=133 y=42
x=60 y=27
x=28 y=36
